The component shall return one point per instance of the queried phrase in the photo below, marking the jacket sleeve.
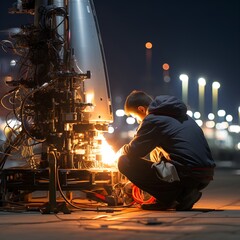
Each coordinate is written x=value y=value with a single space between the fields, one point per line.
x=145 y=140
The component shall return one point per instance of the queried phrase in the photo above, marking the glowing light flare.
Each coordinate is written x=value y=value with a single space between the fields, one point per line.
x=222 y=125
x=197 y=115
x=229 y=118
x=107 y=152
x=199 y=122
x=221 y=113
x=184 y=78
x=130 y=120
x=165 y=66
x=89 y=97
x=13 y=63
x=210 y=124
x=13 y=123
x=234 y=128
x=211 y=116
x=111 y=129
x=131 y=134
x=201 y=81
x=190 y=113
x=238 y=146
x=216 y=85
x=148 y=45
x=120 y=113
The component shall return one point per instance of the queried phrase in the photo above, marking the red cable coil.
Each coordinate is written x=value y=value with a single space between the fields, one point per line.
x=138 y=197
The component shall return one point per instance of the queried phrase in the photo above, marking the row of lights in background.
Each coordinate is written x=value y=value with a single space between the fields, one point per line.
x=210 y=123
x=201 y=94
x=213 y=130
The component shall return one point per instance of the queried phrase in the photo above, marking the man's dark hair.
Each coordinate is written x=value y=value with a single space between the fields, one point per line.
x=136 y=99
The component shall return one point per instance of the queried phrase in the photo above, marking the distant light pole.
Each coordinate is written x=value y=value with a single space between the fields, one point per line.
x=201 y=95
x=215 y=87
x=184 y=79
x=148 y=46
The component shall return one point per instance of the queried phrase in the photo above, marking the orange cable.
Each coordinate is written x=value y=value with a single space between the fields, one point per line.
x=139 y=198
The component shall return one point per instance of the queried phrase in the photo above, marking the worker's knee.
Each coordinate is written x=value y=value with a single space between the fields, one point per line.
x=123 y=163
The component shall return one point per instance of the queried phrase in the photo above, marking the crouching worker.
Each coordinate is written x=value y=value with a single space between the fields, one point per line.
x=180 y=164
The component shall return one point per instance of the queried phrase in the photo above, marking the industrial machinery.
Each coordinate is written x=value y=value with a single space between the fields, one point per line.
x=59 y=108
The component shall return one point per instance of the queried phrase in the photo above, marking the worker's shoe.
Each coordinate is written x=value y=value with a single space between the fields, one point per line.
x=189 y=200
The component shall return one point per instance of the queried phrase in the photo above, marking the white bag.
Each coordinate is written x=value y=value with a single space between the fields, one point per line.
x=166 y=171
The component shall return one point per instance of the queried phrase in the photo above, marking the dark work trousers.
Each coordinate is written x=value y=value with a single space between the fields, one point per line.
x=141 y=174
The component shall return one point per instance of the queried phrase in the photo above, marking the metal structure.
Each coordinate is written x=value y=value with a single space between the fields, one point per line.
x=60 y=104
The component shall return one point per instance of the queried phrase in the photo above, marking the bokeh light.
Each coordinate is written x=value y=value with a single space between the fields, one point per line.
x=165 y=66
x=148 y=45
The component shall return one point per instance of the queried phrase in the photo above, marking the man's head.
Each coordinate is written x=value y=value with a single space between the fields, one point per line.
x=136 y=104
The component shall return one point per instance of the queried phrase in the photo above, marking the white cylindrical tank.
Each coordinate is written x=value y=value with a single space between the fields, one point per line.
x=87 y=50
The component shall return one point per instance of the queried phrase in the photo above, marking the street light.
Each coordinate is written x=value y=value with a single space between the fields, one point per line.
x=184 y=79
x=215 y=87
x=148 y=46
x=201 y=93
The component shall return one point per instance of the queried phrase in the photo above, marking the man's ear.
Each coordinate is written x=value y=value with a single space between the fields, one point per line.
x=141 y=109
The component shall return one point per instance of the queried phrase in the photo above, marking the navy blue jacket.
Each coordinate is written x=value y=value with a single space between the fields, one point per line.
x=168 y=127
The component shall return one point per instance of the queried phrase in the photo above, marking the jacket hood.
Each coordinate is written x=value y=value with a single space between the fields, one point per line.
x=167 y=105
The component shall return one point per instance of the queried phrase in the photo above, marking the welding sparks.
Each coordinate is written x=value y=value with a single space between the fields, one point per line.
x=107 y=152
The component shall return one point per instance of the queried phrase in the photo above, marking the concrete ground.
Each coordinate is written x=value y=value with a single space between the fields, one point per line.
x=216 y=216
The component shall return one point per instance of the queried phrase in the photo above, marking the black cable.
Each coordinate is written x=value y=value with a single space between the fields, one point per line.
x=45 y=85
x=60 y=188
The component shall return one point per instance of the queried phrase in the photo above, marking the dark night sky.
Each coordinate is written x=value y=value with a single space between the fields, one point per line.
x=200 y=38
